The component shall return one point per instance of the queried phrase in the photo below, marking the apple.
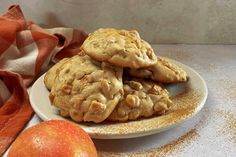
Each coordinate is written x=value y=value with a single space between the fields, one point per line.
x=54 y=138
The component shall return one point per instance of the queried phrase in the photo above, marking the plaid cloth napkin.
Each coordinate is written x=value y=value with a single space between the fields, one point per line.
x=25 y=51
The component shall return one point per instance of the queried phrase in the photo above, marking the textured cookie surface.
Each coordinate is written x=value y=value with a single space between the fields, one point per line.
x=119 y=47
x=51 y=74
x=163 y=71
x=87 y=90
x=141 y=99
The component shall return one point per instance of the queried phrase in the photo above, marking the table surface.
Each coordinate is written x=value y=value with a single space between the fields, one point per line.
x=212 y=132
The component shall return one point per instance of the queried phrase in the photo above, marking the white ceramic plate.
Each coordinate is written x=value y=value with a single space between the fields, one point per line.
x=189 y=98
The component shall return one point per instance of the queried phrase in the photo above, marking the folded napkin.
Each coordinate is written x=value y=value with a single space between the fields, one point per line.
x=25 y=52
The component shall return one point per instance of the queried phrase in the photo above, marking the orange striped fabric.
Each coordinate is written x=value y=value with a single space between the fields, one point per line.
x=25 y=51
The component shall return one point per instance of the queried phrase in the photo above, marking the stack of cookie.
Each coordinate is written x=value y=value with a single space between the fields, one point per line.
x=115 y=77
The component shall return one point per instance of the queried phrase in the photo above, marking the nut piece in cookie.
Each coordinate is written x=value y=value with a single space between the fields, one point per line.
x=119 y=47
x=87 y=90
x=52 y=73
x=142 y=99
x=163 y=71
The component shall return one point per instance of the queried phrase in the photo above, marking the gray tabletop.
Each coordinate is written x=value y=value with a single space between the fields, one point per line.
x=212 y=132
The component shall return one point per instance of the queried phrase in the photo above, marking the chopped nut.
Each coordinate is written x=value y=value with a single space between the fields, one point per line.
x=105 y=86
x=76 y=101
x=132 y=100
x=75 y=115
x=156 y=89
x=135 y=85
x=66 y=89
x=160 y=107
x=97 y=107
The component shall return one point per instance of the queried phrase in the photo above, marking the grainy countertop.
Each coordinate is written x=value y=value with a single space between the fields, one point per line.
x=212 y=132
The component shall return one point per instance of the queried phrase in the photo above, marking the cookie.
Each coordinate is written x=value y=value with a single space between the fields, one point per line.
x=52 y=73
x=163 y=71
x=87 y=90
x=122 y=48
x=142 y=98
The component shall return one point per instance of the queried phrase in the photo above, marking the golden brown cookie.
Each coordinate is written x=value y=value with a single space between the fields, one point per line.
x=52 y=73
x=119 y=47
x=141 y=99
x=163 y=71
x=87 y=90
